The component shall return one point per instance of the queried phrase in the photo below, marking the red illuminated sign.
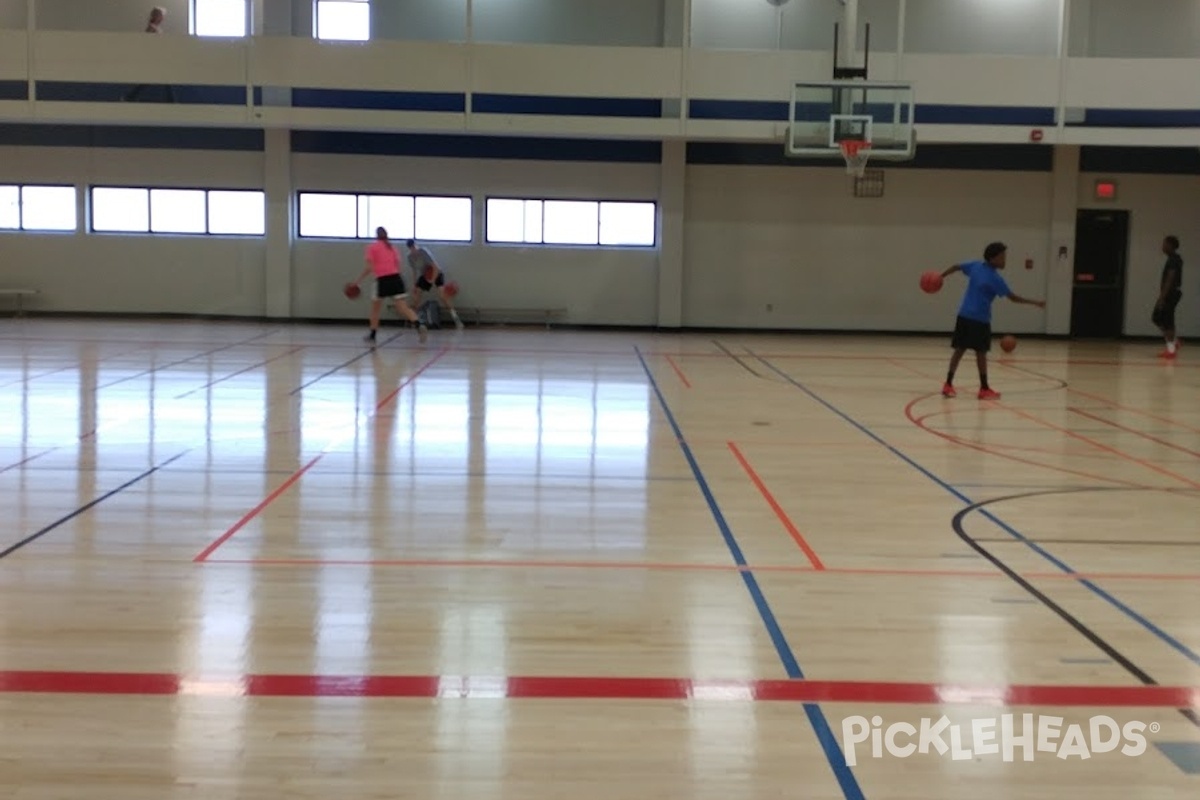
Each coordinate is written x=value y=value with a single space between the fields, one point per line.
x=1106 y=190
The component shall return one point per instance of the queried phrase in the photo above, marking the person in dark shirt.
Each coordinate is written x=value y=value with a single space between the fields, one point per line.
x=1170 y=290
x=154 y=24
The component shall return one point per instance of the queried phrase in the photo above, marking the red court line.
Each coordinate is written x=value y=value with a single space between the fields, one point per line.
x=1134 y=431
x=501 y=687
x=678 y=372
x=791 y=528
x=1133 y=410
x=1100 y=445
x=295 y=476
x=676 y=567
x=258 y=509
x=919 y=422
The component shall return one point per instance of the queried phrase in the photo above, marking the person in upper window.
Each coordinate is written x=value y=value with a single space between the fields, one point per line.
x=154 y=24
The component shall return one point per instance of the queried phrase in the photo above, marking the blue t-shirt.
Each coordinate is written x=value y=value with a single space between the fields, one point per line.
x=984 y=285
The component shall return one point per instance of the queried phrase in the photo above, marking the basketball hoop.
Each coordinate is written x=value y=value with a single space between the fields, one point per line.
x=856 y=152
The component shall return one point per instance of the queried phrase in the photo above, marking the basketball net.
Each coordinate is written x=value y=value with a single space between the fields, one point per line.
x=856 y=152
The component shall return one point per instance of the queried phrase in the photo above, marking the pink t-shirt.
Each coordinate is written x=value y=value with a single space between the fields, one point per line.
x=384 y=259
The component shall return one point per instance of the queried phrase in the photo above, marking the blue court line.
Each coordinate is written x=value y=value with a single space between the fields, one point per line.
x=833 y=752
x=1158 y=632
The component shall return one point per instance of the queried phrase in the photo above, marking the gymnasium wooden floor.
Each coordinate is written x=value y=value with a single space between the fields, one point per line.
x=263 y=562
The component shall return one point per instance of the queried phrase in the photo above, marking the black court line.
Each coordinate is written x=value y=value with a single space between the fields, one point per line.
x=739 y=361
x=146 y=372
x=241 y=371
x=84 y=508
x=1099 y=642
x=1117 y=542
x=345 y=364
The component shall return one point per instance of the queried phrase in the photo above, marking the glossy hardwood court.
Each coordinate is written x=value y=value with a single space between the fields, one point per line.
x=262 y=561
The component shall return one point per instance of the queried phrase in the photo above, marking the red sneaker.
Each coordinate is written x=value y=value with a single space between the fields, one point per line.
x=1168 y=355
x=948 y=391
x=989 y=394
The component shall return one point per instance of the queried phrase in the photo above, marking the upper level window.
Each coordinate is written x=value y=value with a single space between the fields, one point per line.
x=343 y=20
x=224 y=18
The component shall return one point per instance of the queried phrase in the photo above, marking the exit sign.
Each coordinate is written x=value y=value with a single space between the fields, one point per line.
x=1106 y=190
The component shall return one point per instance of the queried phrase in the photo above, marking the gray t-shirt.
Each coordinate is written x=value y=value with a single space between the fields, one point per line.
x=418 y=259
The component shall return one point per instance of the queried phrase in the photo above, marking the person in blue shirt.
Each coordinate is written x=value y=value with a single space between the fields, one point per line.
x=973 y=328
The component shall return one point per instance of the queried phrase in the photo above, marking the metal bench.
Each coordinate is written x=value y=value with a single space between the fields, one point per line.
x=20 y=295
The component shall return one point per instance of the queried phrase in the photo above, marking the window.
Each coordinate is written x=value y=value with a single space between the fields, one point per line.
x=226 y=18
x=178 y=211
x=37 y=208
x=343 y=20
x=571 y=222
x=349 y=216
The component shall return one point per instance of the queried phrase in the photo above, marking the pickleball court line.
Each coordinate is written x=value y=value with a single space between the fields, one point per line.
x=780 y=514
x=153 y=370
x=90 y=505
x=816 y=717
x=653 y=566
x=1112 y=601
x=299 y=473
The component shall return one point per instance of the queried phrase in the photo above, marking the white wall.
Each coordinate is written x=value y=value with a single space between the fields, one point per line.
x=796 y=238
x=805 y=24
x=1161 y=205
x=790 y=237
x=120 y=273
x=1145 y=29
x=604 y=286
x=13 y=14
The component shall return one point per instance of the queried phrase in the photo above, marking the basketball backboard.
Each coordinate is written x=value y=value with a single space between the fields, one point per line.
x=822 y=115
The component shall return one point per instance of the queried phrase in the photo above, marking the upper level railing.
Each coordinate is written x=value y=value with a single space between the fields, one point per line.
x=1127 y=29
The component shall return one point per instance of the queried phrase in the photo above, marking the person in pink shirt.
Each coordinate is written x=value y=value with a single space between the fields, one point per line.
x=384 y=262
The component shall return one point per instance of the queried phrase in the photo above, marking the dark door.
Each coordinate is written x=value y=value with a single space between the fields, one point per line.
x=1098 y=296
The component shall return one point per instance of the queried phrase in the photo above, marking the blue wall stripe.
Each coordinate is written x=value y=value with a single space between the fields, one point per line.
x=984 y=115
x=14 y=90
x=1019 y=158
x=567 y=106
x=1140 y=160
x=816 y=717
x=756 y=110
x=119 y=136
x=76 y=92
x=464 y=146
x=1138 y=118
x=930 y=114
x=453 y=102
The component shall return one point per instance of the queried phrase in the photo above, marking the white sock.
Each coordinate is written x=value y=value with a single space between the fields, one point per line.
x=1171 y=346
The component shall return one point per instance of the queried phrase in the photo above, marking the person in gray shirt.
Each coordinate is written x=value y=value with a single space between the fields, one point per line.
x=427 y=275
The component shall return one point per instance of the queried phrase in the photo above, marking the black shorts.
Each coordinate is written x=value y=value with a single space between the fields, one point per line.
x=424 y=285
x=971 y=334
x=1164 y=316
x=389 y=287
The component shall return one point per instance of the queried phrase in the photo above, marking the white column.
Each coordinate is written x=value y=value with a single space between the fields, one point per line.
x=277 y=278
x=30 y=30
x=849 y=43
x=1059 y=272
x=671 y=197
